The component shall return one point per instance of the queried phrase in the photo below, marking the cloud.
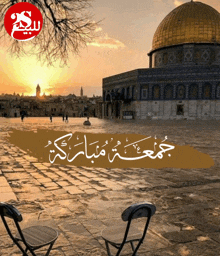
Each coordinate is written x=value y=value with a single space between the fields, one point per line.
x=102 y=40
x=177 y=2
x=107 y=42
x=62 y=89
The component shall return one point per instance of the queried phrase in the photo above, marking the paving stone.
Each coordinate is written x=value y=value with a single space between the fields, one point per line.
x=3 y=182
x=75 y=182
x=82 y=178
x=61 y=241
x=51 y=185
x=6 y=170
x=98 y=179
x=63 y=183
x=44 y=180
x=33 y=196
x=5 y=189
x=7 y=196
x=73 y=190
x=5 y=159
x=59 y=212
x=30 y=170
x=47 y=164
x=83 y=187
x=17 y=176
x=59 y=191
x=183 y=236
x=36 y=175
x=19 y=169
x=112 y=185
x=100 y=188
x=90 y=191
x=63 y=169
x=88 y=174
x=52 y=175
x=54 y=169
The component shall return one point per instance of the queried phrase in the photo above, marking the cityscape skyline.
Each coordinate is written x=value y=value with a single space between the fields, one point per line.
x=41 y=93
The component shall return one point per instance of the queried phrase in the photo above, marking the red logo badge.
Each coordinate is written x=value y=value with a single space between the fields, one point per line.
x=23 y=21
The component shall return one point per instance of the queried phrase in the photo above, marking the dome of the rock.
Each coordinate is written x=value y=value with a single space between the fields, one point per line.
x=192 y=22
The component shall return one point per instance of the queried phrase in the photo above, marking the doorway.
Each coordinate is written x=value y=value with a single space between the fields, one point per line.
x=180 y=110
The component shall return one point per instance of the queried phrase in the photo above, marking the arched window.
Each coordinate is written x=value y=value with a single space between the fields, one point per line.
x=181 y=92
x=112 y=95
x=207 y=91
x=158 y=60
x=117 y=94
x=193 y=91
x=133 y=92
x=168 y=92
x=156 y=92
x=128 y=93
x=122 y=96
x=108 y=97
x=144 y=92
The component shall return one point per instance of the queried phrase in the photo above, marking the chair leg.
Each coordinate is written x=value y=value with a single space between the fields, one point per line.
x=133 y=248
x=25 y=252
x=107 y=248
x=32 y=252
x=49 y=249
x=21 y=248
x=137 y=247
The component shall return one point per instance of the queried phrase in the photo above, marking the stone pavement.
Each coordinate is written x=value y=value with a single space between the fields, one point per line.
x=80 y=202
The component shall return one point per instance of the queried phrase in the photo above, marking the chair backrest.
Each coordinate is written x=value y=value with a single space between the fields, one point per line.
x=136 y=211
x=7 y=210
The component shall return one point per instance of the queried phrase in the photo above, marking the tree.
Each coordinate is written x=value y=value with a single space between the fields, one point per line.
x=66 y=28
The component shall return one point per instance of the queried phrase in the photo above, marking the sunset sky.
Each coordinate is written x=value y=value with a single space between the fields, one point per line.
x=124 y=38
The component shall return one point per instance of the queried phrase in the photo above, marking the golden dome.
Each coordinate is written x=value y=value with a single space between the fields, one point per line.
x=192 y=22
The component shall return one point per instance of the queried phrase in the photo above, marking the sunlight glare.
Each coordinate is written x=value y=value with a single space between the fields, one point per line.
x=29 y=72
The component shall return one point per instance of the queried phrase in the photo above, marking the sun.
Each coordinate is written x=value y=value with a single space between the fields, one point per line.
x=38 y=81
x=29 y=73
x=26 y=73
x=38 y=75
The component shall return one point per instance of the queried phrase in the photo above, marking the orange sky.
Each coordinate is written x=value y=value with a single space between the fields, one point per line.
x=125 y=37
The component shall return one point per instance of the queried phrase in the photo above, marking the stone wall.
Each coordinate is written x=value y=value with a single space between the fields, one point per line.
x=187 y=109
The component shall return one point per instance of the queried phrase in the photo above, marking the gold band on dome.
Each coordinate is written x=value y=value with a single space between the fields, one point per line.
x=192 y=22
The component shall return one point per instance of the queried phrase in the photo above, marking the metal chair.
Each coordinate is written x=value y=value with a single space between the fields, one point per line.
x=119 y=236
x=33 y=238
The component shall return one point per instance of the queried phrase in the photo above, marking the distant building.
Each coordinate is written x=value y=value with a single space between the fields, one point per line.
x=38 y=91
x=81 y=92
x=73 y=106
x=183 y=78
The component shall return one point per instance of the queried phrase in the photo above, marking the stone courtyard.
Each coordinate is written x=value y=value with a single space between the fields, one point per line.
x=79 y=202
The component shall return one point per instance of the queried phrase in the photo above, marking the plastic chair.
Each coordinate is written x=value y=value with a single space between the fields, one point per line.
x=119 y=236
x=33 y=238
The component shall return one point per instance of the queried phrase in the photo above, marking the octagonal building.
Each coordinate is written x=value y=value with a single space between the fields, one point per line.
x=183 y=78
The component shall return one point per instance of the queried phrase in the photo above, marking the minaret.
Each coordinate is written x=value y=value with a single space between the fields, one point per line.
x=38 y=91
x=81 y=92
